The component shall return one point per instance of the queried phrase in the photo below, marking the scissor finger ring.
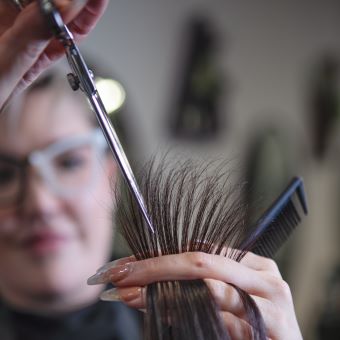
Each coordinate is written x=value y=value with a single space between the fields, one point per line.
x=20 y=4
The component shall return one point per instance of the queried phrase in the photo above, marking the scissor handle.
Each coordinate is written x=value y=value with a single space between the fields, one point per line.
x=81 y=77
x=54 y=20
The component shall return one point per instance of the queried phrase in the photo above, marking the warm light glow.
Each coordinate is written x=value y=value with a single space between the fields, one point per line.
x=112 y=94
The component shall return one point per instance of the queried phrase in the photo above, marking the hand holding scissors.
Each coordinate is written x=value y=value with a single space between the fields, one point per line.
x=26 y=47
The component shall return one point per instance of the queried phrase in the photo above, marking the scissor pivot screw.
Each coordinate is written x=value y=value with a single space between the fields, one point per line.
x=73 y=81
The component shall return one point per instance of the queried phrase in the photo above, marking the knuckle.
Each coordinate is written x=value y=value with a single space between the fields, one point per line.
x=285 y=290
x=219 y=289
x=216 y=289
x=280 y=287
x=270 y=265
x=199 y=260
x=236 y=327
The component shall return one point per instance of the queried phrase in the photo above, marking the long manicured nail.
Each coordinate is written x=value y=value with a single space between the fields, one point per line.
x=107 y=266
x=110 y=295
x=115 y=263
x=116 y=294
x=114 y=274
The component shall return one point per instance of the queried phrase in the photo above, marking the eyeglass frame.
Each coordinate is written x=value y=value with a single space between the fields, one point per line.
x=41 y=160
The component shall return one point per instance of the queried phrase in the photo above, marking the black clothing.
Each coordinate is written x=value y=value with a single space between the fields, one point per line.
x=101 y=321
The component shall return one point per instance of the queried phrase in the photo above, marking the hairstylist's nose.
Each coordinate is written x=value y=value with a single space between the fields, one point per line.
x=38 y=198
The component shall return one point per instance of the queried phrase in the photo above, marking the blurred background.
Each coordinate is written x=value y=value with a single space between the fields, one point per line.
x=257 y=82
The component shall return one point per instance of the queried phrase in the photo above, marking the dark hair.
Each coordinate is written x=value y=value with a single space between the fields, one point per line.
x=192 y=208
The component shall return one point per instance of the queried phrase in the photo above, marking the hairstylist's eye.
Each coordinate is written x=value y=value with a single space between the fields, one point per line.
x=73 y=160
x=70 y=162
x=7 y=175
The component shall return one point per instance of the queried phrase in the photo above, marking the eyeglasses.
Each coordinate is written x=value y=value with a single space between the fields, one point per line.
x=68 y=167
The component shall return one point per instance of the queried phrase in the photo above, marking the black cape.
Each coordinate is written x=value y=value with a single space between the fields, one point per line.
x=101 y=321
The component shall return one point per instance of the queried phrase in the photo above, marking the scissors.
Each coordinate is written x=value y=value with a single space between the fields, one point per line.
x=82 y=78
x=20 y=4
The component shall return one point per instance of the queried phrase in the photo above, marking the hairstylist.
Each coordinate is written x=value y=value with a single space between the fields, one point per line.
x=55 y=215
x=26 y=53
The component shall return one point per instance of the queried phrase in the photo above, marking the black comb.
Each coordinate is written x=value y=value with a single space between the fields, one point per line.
x=276 y=224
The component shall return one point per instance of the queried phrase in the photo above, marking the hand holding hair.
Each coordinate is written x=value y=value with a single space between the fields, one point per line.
x=188 y=276
x=258 y=276
x=26 y=47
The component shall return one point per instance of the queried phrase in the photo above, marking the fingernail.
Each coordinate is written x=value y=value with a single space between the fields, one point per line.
x=98 y=278
x=115 y=263
x=110 y=295
x=107 y=266
x=113 y=274
x=116 y=294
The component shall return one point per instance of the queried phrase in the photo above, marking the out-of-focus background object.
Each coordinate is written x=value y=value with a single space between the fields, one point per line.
x=197 y=114
x=112 y=93
x=260 y=79
x=324 y=103
x=329 y=324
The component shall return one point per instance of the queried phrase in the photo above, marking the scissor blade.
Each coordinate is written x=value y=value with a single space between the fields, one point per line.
x=118 y=151
x=84 y=76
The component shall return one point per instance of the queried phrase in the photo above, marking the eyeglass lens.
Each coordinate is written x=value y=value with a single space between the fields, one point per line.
x=68 y=172
x=74 y=169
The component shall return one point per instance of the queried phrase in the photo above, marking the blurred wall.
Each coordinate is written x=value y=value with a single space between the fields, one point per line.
x=269 y=46
x=268 y=52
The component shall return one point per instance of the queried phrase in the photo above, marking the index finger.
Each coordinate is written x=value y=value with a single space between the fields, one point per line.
x=187 y=266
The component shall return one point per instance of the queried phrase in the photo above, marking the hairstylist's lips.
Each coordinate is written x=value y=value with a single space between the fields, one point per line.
x=44 y=242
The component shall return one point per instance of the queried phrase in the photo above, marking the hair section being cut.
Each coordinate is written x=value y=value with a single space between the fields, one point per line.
x=193 y=208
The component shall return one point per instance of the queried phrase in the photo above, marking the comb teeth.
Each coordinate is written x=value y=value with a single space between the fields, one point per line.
x=277 y=232
x=276 y=225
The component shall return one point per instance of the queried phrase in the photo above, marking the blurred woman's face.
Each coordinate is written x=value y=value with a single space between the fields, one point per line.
x=51 y=243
